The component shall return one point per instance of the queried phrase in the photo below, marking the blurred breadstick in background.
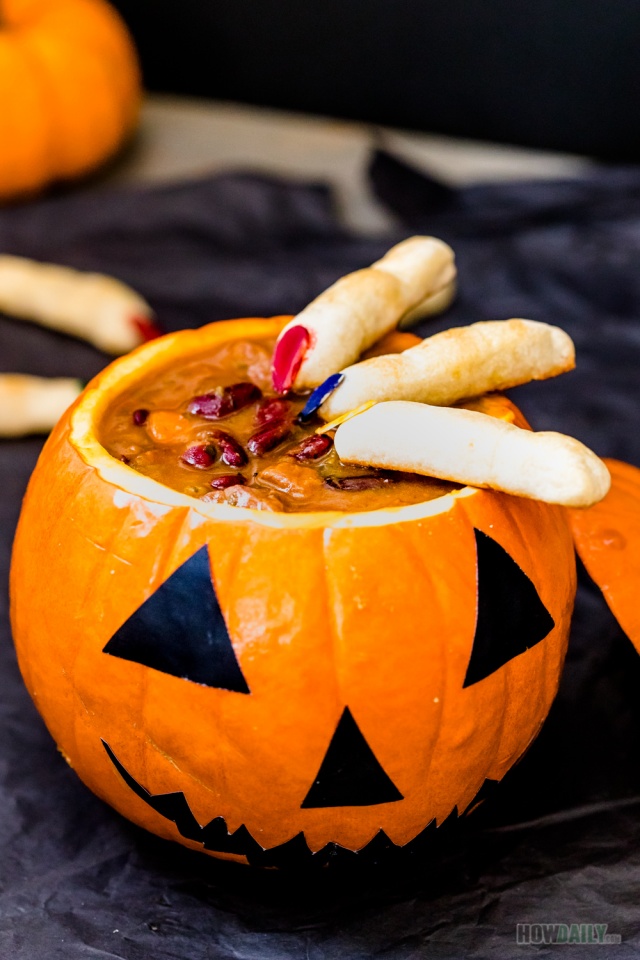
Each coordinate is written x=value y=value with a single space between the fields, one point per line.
x=348 y=317
x=92 y=306
x=34 y=404
x=455 y=364
x=473 y=448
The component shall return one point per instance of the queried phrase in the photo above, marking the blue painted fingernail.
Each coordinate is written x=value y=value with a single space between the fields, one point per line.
x=319 y=396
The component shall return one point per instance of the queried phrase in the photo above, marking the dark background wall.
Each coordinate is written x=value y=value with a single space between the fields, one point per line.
x=563 y=74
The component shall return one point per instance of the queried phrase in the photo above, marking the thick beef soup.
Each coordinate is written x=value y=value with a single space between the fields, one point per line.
x=212 y=428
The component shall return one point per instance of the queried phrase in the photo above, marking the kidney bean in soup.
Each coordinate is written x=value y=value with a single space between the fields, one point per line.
x=211 y=428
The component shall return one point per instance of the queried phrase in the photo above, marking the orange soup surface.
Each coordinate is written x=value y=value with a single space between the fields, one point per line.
x=212 y=428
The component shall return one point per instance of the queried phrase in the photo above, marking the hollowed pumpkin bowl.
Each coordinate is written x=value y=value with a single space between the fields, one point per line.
x=262 y=685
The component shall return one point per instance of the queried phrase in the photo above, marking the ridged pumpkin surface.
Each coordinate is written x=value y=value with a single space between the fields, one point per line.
x=370 y=613
x=69 y=90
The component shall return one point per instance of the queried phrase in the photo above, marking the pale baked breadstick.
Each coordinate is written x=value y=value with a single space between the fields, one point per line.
x=455 y=364
x=33 y=404
x=429 y=307
x=91 y=306
x=473 y=448
x=361 y=307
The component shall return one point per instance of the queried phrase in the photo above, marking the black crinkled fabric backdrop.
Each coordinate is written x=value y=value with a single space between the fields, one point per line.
x=558 y=841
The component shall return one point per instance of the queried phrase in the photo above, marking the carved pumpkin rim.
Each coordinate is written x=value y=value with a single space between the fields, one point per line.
x=164 y=352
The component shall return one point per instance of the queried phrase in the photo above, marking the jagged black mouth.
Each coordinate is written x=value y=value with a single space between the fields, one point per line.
x=215 y=837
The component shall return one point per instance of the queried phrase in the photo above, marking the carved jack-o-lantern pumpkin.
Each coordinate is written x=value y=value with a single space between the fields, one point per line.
x=246 y=682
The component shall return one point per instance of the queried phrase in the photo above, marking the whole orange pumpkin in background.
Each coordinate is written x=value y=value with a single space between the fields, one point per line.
x=264 y=684
x=69 y=90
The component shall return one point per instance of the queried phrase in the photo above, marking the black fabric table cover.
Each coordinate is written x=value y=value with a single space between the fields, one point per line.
x=558 y=841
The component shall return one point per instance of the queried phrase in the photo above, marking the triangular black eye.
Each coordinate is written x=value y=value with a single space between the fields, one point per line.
x=350 y=775
x=511 y=616
x=180 y=630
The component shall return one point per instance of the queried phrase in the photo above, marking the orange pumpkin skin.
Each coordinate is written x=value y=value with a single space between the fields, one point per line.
x=607 y=539
x=374 y=612
x=69 y=90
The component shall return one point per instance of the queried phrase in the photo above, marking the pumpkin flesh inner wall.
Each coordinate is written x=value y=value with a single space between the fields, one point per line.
x=274 y=480
x=374 y=612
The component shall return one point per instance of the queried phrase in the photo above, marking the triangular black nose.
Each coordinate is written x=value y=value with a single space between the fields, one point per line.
x=180 y=630
x=350 y=775
x=511 y=616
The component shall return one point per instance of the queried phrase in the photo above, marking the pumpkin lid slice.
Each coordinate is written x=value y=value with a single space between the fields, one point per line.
x=607 y=539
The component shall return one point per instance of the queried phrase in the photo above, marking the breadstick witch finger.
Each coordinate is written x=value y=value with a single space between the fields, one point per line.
x=34 y=404
x=433 y=304
x=92 y=306
x=336 y=327
x=476 y=449
x=455 y=364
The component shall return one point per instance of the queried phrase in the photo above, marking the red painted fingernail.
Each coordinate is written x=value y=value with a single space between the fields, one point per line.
x=146 y=329
x=287 y=357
